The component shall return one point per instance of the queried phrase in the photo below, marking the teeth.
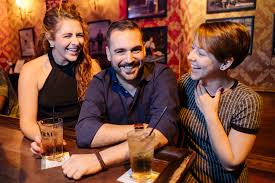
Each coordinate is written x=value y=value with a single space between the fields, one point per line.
x=128 y=67
x=72 y=49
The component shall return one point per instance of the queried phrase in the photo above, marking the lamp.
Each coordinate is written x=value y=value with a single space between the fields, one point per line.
x=24 y=7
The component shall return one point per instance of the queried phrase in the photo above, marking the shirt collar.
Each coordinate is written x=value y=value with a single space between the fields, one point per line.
x=146 y=75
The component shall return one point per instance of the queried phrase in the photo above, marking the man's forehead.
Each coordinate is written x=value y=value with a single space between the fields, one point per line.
x=120 y=38
x=130 y=32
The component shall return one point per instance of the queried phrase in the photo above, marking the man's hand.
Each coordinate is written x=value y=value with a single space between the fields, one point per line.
x=81 y=164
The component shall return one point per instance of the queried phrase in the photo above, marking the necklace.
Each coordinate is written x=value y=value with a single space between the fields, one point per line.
x=212 y=94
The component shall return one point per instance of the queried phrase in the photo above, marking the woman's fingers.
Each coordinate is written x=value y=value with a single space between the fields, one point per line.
x=36 y=147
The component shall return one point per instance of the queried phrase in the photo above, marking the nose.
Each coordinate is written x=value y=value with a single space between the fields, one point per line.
x=129 y=57
x=75 y=40
x=192 y=55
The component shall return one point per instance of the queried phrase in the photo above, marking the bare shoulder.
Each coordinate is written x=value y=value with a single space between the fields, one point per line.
x=35 y=66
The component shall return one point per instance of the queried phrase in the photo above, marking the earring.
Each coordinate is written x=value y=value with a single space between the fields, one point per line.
x=222 y=67
x=51 y=44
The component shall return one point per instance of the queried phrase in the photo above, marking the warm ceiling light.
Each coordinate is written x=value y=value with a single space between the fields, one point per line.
x=19 y=3
x=23 y=4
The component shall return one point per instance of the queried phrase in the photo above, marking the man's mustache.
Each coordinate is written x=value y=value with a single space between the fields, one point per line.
x=133 y=64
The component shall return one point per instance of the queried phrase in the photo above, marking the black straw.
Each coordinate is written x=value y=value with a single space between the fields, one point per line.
x=158 y=120
x=53 y=114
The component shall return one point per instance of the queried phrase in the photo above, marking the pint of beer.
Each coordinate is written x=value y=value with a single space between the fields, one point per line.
x=51 y=130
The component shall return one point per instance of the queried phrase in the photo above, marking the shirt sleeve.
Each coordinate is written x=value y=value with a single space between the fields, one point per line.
x=247 y=118
x=165 y=94
x=91 y=114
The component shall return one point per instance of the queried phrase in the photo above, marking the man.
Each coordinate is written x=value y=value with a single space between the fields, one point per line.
x=8 y=97
x=125 y=94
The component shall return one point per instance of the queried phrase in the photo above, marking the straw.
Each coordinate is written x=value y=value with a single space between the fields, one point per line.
x=53 y=114
x=158 y=120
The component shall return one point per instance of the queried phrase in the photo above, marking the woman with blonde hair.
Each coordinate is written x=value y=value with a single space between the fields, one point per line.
x=57 y=80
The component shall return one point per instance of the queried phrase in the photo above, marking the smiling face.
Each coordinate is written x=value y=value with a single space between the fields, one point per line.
x=203 y=64
x=126 y=53
x=68 y=41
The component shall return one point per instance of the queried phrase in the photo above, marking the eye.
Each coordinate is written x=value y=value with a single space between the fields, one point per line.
x=136 y=49
x=202 y=52
x=120 y=51
x=80 y=35
x=67 y=35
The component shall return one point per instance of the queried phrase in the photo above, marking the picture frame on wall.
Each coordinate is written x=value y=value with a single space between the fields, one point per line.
x=273 y=37
x=146 y=8
x=155 y=42
x=219 y=6
x=97 y=37
x=27 y=44
x=248 y=21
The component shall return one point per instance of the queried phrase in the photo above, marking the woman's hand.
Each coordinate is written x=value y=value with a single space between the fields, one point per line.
x=81 y=164
x=36 y=147
x=207 y=104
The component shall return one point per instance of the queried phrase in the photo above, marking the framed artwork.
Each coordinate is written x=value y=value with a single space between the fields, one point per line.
x=248 y=21
x=218 y=6
x=273 y=36
x=26 y=38
x=146 y=8
x=155 y=41
x=97 y=37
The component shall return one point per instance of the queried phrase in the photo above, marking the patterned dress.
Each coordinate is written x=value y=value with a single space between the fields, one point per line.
x=239 y=109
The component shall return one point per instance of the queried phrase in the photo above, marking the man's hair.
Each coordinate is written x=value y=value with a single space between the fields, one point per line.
x=121 y=25
x=224 y=40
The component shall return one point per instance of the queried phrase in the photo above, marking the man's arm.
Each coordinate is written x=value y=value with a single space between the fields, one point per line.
x=92 y=127
x=109 y=134
x=85 y=164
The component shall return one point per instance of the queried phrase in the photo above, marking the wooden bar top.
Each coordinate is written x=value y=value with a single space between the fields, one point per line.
x=18 y=165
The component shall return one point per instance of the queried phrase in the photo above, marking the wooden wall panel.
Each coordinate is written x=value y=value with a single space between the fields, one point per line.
x=262 y=156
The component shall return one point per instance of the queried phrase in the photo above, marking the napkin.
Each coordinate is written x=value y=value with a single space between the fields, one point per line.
x=127 y=178
x=45 y=163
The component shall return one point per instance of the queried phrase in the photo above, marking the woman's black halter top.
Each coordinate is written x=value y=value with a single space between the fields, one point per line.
x=59 y=93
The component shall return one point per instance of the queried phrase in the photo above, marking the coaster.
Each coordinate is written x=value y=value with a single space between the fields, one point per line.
x=127 y=178
x=45 y=163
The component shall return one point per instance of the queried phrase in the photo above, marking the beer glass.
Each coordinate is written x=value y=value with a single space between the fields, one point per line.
x=51 y=130
x=141 y=151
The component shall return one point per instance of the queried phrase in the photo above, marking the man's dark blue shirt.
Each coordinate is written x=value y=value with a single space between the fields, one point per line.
x=107 y=101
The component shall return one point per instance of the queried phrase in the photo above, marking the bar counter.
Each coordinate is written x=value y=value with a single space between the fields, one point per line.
x=18 y=165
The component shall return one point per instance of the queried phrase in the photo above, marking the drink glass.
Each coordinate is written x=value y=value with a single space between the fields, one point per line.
x=51 y=130
x=141 y=151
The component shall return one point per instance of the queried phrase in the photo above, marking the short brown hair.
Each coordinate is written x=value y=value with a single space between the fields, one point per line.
x=225 y=40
